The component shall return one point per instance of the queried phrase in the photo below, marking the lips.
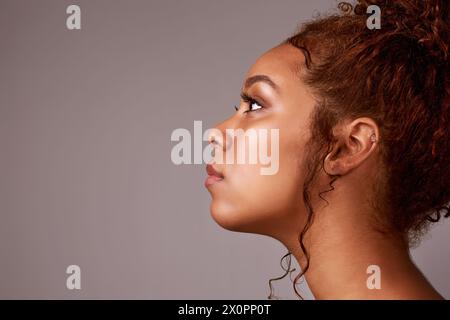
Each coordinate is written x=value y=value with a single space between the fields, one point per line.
x=214 y=176
x=213 y=172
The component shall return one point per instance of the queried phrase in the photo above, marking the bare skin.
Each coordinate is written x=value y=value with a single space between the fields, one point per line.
x=342 y=240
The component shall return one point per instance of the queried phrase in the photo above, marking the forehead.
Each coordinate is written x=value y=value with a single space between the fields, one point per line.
x=280 y=63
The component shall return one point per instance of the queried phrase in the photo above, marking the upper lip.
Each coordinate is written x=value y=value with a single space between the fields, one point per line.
x=212 y=171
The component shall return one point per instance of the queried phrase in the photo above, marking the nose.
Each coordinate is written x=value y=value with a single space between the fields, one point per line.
x=215 y=138
x=219 y=137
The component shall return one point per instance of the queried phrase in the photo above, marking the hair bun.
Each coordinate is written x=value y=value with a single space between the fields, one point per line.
x=426 y=21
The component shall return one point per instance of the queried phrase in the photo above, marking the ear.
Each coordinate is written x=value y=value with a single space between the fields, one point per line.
x=356 y=140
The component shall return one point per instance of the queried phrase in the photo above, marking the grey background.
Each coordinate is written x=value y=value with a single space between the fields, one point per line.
x=85 y=171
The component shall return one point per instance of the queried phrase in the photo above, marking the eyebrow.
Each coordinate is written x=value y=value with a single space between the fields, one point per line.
x=261 y=78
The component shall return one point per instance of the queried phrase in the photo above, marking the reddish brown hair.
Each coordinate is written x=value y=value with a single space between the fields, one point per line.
x=398 y=76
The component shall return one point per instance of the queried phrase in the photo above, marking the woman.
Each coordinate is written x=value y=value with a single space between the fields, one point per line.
x=364 y=163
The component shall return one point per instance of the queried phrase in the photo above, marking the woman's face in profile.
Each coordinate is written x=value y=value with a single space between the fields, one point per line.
x=246 y=200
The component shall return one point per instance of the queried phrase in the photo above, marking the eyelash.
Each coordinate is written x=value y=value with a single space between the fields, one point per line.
x=247 y=99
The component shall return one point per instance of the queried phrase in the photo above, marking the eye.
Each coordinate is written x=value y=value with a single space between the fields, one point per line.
x=253 y=105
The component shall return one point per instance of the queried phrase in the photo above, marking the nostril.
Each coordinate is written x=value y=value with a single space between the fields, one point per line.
x=229 y=137
x=216 y=138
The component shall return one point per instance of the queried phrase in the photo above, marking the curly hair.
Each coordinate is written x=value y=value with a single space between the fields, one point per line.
x=398 y=76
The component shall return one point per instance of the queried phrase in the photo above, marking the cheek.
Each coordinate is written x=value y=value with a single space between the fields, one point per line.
x=247 y=197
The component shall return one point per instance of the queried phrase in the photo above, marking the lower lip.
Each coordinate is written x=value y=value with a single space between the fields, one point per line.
x=212 y=180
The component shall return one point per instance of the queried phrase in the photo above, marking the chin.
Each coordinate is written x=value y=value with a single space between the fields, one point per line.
x=225 y=216
x=235 y=219
x=230 y=218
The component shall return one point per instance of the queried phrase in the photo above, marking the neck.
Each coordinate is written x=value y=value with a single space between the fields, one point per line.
x=342 y=245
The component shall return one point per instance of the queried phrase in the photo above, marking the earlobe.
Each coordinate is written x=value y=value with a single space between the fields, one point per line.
x=328 y=165
x=332 y=162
